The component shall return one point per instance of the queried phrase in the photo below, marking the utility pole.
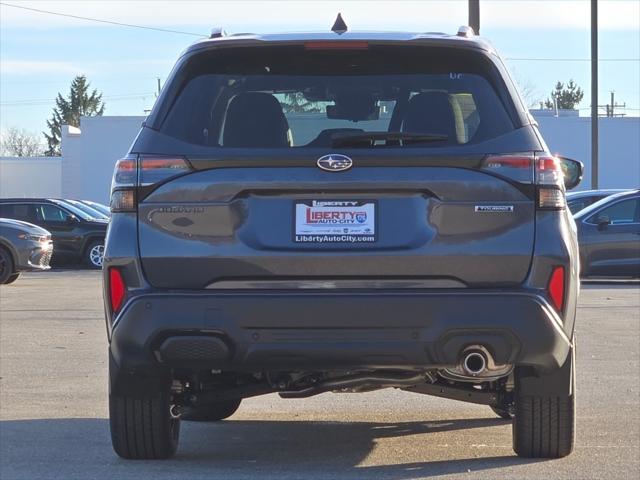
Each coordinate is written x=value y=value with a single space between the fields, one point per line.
x=594 y=94
x=474 y=15
x=159 y=87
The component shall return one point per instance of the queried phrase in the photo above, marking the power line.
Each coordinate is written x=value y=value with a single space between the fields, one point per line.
x=46 y=101
x=572 y=59
x=110 y=22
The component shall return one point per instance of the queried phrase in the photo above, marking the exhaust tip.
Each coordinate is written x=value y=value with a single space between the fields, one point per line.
x=474 y=363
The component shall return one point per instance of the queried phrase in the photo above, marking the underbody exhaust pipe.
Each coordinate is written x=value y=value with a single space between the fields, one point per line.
x=378 y=380
x=474 y=362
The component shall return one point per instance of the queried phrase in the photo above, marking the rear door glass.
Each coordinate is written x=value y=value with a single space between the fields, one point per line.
x=289 y=97
x=18 y=211
x=621 y=213
x=51 y=213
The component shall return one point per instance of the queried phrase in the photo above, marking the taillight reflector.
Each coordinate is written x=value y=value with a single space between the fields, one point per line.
x=117 y=289
x=556 y=287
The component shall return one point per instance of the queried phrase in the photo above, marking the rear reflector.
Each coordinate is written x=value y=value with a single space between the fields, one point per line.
x=339 y=45
x=117 y=289
x=556 y=288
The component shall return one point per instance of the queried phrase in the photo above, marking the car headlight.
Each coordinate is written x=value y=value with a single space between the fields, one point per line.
x=34 y=237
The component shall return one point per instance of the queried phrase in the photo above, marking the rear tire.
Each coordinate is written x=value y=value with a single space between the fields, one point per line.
x=12 y=278
x=142 y=428
x=94 y=254
x=214 y=412
x=502 y=413
x=544 y=425
x=6 y=266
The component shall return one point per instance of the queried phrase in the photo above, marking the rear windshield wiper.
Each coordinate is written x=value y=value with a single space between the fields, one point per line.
x=368 y=139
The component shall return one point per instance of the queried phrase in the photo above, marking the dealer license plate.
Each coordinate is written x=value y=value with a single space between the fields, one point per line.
x=335 y=221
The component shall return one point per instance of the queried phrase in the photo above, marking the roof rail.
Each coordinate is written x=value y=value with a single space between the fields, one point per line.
x=466 y=31
x=217 y=32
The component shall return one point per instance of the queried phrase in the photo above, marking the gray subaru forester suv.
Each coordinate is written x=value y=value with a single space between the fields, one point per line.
x=340 y=212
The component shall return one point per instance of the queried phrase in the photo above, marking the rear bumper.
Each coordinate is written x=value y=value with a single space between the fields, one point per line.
x=284 y=330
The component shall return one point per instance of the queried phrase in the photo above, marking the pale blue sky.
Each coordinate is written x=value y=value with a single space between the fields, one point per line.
x=40 y=54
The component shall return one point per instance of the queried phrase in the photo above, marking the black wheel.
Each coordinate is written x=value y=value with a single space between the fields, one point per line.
x=213 y=412
x=94 y=254
x=12 y=278
x=142 y=428
x=6 y=266
x=544 y=423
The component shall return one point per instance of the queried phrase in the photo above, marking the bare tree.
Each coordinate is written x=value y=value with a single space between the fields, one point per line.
x=17 y=142
x=528 y=90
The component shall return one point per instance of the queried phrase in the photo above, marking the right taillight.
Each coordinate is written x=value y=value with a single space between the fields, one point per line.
x=543 y=170
x=136 y=171
x=550 y=181
x=556 y=288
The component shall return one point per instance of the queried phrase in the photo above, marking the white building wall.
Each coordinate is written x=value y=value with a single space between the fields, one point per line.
x=71 y=141
x=619 y=150
x=90 y=152
x=30 y=177
x=103 y=141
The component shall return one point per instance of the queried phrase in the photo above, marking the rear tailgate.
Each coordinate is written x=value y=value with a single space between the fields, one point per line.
x=445 y=225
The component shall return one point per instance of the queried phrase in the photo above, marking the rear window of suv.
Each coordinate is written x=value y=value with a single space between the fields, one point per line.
x=295 y=97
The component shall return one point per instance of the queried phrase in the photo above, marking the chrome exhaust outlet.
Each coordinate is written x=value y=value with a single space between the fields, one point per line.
x=474 y=363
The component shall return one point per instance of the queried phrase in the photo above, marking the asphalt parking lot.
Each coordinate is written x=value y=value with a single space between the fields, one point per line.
x=53 y=408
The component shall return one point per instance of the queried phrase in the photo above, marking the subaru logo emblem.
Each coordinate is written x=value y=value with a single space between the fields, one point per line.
x=334 y=162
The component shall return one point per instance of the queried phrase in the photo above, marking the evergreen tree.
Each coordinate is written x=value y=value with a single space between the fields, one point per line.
x=80 y=103
x=567 y=98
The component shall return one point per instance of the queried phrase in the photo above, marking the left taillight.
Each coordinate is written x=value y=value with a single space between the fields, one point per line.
x=117 y=289
x=142 y=171
x=123 y=185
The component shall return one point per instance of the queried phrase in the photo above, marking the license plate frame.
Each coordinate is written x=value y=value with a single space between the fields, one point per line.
x=335 y=221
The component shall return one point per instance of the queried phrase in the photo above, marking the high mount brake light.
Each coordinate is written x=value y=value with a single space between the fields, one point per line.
x=556 y=288
x=336 y=45
x=134 y=171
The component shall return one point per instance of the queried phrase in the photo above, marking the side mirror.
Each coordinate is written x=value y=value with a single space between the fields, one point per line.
x=572 y=171
x=602 y=221
x=71 y=219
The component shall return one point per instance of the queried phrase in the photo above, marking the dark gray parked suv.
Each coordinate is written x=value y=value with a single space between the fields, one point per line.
x=23 y=247
x=320 y=212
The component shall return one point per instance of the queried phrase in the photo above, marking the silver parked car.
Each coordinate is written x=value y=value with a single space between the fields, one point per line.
x=577 y=201
x=23 y=247
x=609 y=236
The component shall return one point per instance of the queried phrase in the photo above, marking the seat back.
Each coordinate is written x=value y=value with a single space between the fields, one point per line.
x=430 y=112
x=255 y=120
